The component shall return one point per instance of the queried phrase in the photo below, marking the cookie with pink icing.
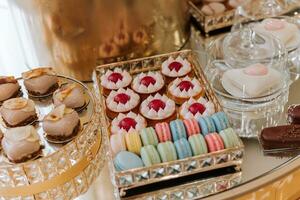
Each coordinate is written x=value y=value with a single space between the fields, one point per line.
x=114 y=80
x=148 y=83
x=174 y=68
x=158 y=108
x=182 y=89
x=196 y=108
x=163 y=132
x=121 y=101
x=127 y=123
x=213 y=8
x=191 y=126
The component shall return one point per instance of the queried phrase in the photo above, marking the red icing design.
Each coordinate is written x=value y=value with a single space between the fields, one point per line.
x=197 y=108
x=147 y=80
x=185 y=85
x=157 y=104
x=175 y=65
x=127 y=123
x=115 y=77
x=122 y=98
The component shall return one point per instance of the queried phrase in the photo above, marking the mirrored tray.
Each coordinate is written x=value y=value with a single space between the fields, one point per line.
x=63 y=169
x=124 y=181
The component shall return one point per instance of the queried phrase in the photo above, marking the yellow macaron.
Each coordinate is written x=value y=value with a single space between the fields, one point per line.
x=133 y=142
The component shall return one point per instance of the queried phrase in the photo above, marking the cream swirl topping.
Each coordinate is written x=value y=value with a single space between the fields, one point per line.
x=196 y=108
x=176 y=67
x=185 y=87
x=122 y=100
x=157 y=107
x=23 y=133
x=58 y=113
x=115 y=79
x=147 y=83
x=26 y=105
x=126 y=123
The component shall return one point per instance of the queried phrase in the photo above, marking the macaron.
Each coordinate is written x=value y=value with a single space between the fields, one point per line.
x=230 y=138
x=163 y=132
x=133 y=142
x=167 y=151
x=150 y=155
x=117 y=143
x=219 y=121
x=191 y=126
x=183 y=148
x=206 y=125
x=126 y=160
x=177 y=129
x=198 y=144
x=222 y=116
x=214 y=142
x=148 y=136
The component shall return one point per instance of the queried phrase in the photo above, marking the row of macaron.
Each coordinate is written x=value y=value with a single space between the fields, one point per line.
x=173 y=131
x=182 y=148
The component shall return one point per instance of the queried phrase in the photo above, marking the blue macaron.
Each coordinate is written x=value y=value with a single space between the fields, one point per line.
x=183 y=148
x=222 y=116
x=219 y=121
x=177 y=129
x=126 y=160
x=207 y=125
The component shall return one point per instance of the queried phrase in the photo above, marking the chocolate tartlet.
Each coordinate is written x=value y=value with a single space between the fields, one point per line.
x=40 y=81
x=21 y=144
x=61 y=124
x=9 y=88
x=18 y=112
x=286 y=136
x=71 y=95
x=294 y=114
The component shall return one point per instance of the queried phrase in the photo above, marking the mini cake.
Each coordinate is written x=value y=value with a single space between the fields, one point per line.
x=21 y=144
x=114 y=80
x=71 y=95
x=182 y=89
x=174 y=68
x=149 y=83
x=18 y=112
x=126 y=123
x=61 y=124
x=196 y=108
x=9 y=88
x=40 y=81
x=213 y=8
x=158 y=108
x=121 y=101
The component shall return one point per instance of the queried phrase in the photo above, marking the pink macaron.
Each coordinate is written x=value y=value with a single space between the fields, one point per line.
x=214 y=142
x=117 y=143
x=191 y=126
x=163 y=132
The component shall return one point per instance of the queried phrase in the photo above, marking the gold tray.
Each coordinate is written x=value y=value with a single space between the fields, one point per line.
x=126 y=180
x=63 y=171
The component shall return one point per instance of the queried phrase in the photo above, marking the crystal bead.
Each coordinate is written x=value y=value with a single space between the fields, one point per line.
x=49 y=168
x=235 y=181
x=221 y=158
x=174 y=169
x=158 y=172
x=149 y=198
x=236 y=155
x=141 y=176
x=206 y=189
x=33 y=173
x=191 y=165
x=80 y=183
x=89 y=173
x=221 y=185
x=125 y=180
x=62 y=163
x=42 y=196
x=163 y=196
x=57 y=194
x=69 y=190
x=5 y=179
x=73 y=153
x=19 y=176
x=192 y=192
x=177 y=195
x=206 y=162
x=28 y=198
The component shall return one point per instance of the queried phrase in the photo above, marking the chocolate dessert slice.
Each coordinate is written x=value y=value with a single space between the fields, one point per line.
x=279 y=137
x=294 y=114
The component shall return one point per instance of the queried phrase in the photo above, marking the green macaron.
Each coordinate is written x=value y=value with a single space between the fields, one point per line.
x=198 y=144
x=230 y=138
x=167 y=151
x=150 y=155
x=148 y=136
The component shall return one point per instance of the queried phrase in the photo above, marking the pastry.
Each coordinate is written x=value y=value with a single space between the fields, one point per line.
x=294 y=114
x=158 y=108
x=122 y=101
x=279 y=28
x=253 y=81
x=220 y=120
x=196 y=108
x=40 y=81
x=114 y=80
x=229 y=138
x=71 y=95
x=183 y=148
x=18 y=112
x=177 y=129
x=191 y=126
x=213 y=8
x=198 y=144
x=133 y=142
x=149 y=136
x=279 y=137
x=9 y=88
x=61 y=124
x=125 y=160
x=163 y=132
x=117 y=143
x=214 y=142
x=21 y=144
x=206 y=125
x=182 y=89
x=175 y=68
x=147 y=84
x=125 y=123
x=150 y=155
x=167 y=151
